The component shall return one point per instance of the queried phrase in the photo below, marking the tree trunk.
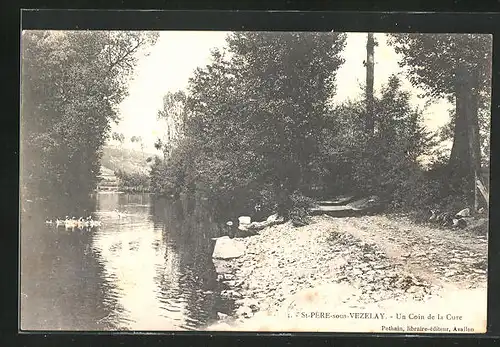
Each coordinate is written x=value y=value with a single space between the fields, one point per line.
x=465 y=159
x=474 y=142
x=474 y=138
x=459 y=158
x=370 y=43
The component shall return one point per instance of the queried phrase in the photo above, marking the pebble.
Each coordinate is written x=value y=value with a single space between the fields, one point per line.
x=450 y=273
x=222 y=316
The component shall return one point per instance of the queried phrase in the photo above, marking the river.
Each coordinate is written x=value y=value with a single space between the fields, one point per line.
x=148 y=270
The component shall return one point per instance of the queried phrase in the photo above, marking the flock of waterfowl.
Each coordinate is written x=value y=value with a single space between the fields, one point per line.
x=82 y=223
x=73 y=223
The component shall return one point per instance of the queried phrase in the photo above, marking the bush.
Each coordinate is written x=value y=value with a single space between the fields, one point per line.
x=133 y=182
x=428 y=189
x=157 y=176
x=297 y=208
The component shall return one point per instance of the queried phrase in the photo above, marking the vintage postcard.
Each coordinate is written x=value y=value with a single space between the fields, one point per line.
x=254 y=181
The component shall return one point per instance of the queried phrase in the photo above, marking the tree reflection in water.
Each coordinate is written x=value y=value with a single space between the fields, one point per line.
x=188 y=229
x=149 y=271
x=62 y=287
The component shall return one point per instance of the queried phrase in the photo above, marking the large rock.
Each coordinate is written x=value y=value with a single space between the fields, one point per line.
x=222 y=316
x=226 y=248
x=463 y=213
x=274 y=218
x=244 y=219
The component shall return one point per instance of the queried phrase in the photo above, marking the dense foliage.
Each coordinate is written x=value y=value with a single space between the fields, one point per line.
x=456 y=66
x=259 y=130
x=256 y=131
x=174 y=114
x=252 y=124
x=257 y=126
x=387 y=163
x=71 y=83
x=133 y=182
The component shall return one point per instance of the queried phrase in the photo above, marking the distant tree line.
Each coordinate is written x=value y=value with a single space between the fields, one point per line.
x=132 y=182
x=257 y=125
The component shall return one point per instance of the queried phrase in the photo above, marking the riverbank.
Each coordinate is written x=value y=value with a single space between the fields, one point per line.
x=351 y=263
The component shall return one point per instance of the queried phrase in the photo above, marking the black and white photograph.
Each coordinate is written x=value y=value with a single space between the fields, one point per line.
x=252 y=181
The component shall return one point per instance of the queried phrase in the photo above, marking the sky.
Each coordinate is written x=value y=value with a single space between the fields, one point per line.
x=172 y=60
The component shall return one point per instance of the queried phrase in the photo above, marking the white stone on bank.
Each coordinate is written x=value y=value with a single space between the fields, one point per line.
x=226 y=248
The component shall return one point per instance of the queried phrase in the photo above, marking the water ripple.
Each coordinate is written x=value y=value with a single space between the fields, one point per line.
x=150 y=270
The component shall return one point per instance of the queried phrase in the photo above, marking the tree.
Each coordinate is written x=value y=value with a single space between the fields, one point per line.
x=456 y=66
x=119 y=137
x=174 y=115
x=253 y=116
x=138 y=140
x=382 y=163
x=401 y=137
x=291 y=76
x=370 y=63
x=72 y=83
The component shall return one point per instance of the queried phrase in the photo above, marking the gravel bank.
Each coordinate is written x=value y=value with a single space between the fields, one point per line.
x=283 y=263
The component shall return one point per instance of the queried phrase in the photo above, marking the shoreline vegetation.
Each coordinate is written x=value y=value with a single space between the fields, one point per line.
x=248 y=132
x=135 y=182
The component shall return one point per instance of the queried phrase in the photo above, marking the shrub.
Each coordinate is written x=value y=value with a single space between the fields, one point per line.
x=133 y=182
x=428 y=189
x=156 y=176
x=298 y=207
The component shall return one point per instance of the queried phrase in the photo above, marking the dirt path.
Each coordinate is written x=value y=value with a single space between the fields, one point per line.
x=448 y=258
x=354 y=263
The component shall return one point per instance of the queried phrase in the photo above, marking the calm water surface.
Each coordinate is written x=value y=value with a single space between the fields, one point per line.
x=148 y=270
